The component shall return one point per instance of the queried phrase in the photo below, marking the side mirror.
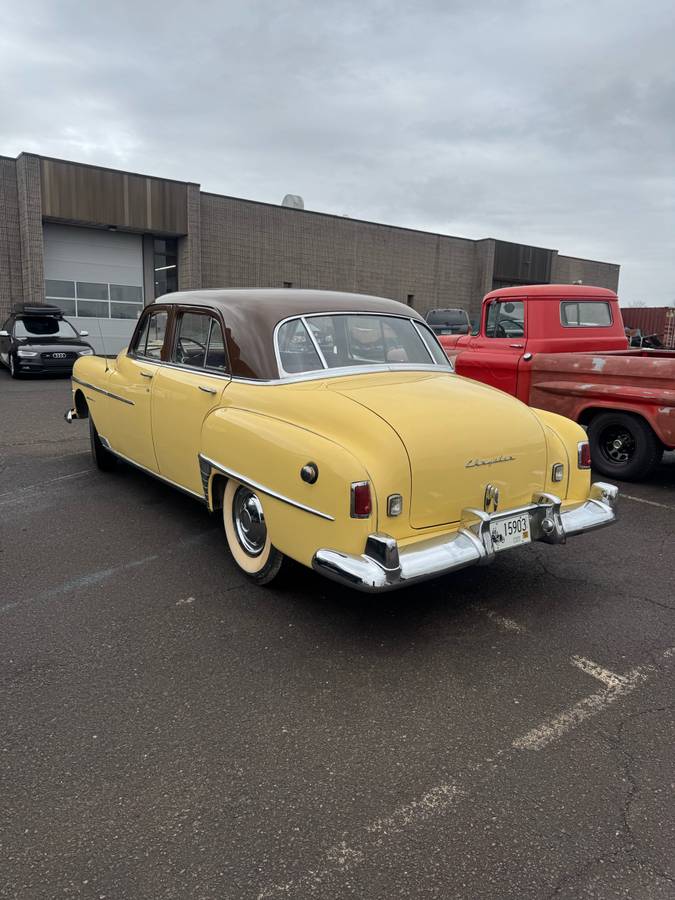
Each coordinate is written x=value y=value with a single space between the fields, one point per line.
x=84 y=334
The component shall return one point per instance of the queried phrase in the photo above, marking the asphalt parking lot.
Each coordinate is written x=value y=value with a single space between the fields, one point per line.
x=171 y=731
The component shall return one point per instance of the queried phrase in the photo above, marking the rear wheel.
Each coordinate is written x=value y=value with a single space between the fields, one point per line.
x=623 y=446
x=247 y=535
x=104 y=459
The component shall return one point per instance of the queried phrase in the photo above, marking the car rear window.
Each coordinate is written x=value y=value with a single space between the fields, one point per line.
x=43 y=326
x=317 y=342
x=447 y=316
x=585 y=313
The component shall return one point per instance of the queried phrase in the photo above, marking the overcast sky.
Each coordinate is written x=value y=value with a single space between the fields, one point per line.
x=549 y=123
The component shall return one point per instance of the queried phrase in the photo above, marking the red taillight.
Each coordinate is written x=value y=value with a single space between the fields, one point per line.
x=584 y=451
x=361 y=505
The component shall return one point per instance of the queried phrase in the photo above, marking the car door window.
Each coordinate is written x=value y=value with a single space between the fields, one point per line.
x=199 y=342
x=151 y=336
x=505 y=319
x=215 y=355
x=192 y=339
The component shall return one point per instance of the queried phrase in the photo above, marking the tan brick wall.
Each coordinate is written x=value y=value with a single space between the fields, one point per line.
x=247 y=244
x=189 y=246
x=568 y=269
x=11 y=274
x=30 y=227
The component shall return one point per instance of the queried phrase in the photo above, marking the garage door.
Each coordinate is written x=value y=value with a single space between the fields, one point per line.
x=95 y=274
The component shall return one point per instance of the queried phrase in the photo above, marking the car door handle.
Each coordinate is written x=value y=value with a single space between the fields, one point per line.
x=147 y=374
x=517 y=346
x=207 y=390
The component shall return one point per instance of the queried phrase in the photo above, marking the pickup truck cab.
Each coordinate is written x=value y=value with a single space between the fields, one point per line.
x=563 y=348
x=518 y=322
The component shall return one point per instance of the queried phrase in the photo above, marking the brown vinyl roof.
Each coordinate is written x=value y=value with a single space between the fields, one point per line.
x=251 y=314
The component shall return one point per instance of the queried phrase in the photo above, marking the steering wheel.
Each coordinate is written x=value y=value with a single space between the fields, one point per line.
x=518 y=328
x=185 y=354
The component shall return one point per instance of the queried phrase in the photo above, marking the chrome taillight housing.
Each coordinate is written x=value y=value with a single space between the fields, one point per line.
x=360 y=505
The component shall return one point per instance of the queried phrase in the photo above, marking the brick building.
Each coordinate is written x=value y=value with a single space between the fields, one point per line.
x=101 y=243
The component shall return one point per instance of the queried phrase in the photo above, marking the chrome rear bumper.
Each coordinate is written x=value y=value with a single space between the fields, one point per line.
x=385 y=566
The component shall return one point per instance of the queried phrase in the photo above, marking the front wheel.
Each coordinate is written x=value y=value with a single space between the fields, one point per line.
x=13 y=368
x=247 y=535
x=623 y=446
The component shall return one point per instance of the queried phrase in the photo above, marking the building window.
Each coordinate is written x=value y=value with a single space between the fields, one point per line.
x=411 y=300
x=288 y=284
x=95 y=300
x=165 y=265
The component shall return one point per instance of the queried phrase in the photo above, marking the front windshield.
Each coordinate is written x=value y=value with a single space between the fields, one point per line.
x=347 y=339
x=43 y=326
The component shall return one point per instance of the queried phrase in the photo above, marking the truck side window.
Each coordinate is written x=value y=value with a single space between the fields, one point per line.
x=505 y=319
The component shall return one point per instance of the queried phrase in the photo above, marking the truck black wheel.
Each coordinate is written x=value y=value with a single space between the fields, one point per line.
x=623 y=446
x=104 y=459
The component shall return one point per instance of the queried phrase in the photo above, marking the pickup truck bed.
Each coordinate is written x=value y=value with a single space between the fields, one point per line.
x=639 y=384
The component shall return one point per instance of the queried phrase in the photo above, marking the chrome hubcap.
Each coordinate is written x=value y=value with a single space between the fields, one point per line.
x=249 y=521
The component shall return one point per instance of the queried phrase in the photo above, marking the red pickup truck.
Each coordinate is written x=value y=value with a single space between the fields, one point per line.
x=626 y=398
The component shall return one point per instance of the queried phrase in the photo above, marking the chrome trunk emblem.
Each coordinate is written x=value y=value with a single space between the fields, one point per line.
x=491 y=498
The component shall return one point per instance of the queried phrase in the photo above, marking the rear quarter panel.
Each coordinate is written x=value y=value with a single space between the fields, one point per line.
x=272 y=452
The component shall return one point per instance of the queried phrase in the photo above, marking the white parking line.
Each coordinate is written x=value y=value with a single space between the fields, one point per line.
x=611 y=679
x=342 y=857
x=17 y=493
x=500 y=621
x=648 y=502
x=550 y=731
x=434 y=801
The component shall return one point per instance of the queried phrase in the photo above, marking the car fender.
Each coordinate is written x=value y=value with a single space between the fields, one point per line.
x=268 y=454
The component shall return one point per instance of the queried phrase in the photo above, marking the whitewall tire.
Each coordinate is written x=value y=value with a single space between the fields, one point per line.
x=247 y=535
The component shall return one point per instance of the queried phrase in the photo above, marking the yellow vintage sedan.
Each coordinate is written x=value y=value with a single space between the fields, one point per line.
x=330 y=428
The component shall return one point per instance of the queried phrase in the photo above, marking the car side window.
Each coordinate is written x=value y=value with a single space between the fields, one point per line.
x=151 y=337
x=215 y=356
x=505 y=319
x=199 y=342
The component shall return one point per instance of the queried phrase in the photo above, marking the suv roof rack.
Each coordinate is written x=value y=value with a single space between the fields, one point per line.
x=37 y=309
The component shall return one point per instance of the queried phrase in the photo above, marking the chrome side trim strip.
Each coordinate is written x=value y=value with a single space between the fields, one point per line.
x=194 y=494
x=101 y=391
x=264 y=490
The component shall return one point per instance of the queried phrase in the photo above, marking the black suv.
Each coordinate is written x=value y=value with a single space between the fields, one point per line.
x=449 y=321
x=37 y=340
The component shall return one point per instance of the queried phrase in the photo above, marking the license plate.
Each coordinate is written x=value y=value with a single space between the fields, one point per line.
x=511 y=532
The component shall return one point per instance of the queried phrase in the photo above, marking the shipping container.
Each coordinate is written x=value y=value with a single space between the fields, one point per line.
x=658 y=320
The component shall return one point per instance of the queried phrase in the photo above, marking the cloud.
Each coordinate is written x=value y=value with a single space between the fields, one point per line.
x=541 y=122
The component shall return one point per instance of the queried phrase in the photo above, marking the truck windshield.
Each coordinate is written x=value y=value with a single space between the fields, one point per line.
x=313 y=343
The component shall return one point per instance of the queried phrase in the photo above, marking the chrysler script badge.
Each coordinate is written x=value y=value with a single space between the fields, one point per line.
x=473 y=463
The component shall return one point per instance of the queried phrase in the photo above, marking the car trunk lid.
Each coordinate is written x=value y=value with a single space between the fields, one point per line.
x=459 y=436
